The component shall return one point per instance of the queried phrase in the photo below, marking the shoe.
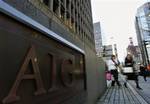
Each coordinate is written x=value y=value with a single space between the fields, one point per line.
x=119 y=85
x=125 y=84
x=139 y=88
x=112 y=85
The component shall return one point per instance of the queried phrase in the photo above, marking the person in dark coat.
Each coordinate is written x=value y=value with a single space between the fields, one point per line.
x=143 y=71
x=129 y=62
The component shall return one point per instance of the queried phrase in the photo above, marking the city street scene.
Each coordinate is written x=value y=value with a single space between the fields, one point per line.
x=74 y=51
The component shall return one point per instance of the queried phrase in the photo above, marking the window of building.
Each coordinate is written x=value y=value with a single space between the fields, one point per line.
x=46 y=2
x=62 y=16
x=55 y=6
x=76 y=27
x=72 y=24
x=62 y=1
x=67 y=4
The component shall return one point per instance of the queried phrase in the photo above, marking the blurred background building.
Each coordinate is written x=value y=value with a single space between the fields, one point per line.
x=98 y=39
x=134 y=51
x=102 y=50
x=142 y=24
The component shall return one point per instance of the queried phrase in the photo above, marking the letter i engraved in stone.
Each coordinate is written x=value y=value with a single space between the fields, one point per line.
x=53 y=73
x=30 y=57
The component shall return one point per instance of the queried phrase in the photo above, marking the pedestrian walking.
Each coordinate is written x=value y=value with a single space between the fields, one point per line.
x=112 y=64
x=143 y=71
x=130 y=63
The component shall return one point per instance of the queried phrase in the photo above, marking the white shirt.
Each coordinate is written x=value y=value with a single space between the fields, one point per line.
x=111 y=65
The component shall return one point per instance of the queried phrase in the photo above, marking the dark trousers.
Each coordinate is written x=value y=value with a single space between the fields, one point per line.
x=144 y=74
x=115 y=75
x=136 y=80
x=134 y=76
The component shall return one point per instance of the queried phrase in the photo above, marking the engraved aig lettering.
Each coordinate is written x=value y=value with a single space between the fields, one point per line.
x=66 y=75
x=31 y=57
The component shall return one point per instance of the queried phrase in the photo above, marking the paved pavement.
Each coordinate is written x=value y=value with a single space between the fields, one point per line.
x=122 y=95
x=145 y=93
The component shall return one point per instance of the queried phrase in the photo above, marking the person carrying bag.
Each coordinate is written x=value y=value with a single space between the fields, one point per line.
x=130 y=64
x=112 y=67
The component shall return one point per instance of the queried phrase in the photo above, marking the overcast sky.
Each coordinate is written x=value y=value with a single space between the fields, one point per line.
x=117 y=21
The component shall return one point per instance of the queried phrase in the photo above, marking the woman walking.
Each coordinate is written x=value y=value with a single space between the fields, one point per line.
x=129 y=62
x=113 y=63
x=143 y=71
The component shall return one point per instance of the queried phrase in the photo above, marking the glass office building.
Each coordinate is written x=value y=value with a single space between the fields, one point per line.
x=143 y=30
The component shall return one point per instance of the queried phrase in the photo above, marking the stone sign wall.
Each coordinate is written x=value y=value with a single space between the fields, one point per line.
x=36 y=69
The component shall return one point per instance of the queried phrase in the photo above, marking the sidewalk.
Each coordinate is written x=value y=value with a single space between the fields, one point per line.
x=145 y=93
x=121 y=95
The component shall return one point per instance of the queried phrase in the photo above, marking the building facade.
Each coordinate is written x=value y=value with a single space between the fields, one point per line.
x=48 y=53
x=134 y=50
x=142 y=24
x=98 y=39
x=107 y=52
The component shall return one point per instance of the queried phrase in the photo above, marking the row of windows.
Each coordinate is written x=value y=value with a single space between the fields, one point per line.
x=76 y=15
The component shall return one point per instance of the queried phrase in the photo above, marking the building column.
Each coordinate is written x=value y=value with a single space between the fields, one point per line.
x=74 y=16
x=70 y=12
x=59 y=8
x=65 y=15
x=51 y=4
x=77 y=17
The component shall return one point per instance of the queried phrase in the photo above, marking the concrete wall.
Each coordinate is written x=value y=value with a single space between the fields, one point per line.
x=95 y=71
x=64 y=78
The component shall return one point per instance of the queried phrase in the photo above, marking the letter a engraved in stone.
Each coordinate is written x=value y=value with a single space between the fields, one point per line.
x=30 y=57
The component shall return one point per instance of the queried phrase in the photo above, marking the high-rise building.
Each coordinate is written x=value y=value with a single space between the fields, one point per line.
x=47 y=53
x=142 y=24
x=134 y=51
x=131 y=48
x=107 y=52
x=98 y=39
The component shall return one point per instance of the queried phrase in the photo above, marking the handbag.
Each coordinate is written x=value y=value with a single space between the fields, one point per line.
x=108 y=76
x=128 y=70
